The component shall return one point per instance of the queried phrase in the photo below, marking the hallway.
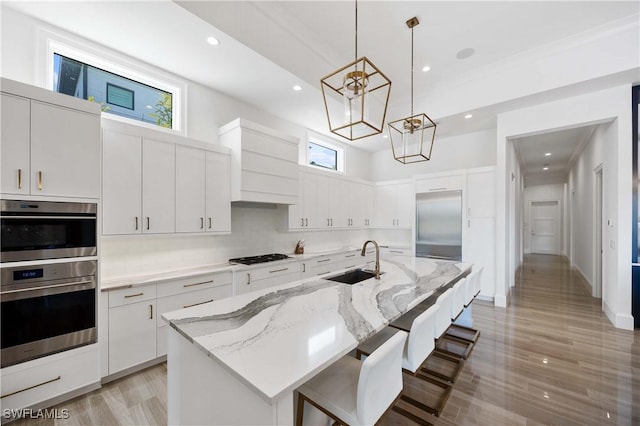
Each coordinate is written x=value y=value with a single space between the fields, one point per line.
x=551 y=358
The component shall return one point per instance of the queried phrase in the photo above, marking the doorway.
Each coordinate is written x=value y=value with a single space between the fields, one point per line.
x=544 y=224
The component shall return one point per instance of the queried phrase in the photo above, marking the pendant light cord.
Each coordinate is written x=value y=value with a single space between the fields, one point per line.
x=356 y=58
x=411 y=71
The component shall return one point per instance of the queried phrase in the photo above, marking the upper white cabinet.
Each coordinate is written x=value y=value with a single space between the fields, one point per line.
x=440 y=183
x=481 y=198
x=394 y=205
x=304 y=214
x=50 y=143
x=264 y=163
x=121 y=183
x=202 y=191
x=162 y=186
x=158 y=186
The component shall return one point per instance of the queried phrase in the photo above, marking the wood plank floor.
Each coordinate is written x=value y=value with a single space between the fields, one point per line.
x=551 y=358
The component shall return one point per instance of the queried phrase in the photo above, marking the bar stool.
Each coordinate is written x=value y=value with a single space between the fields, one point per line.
x=478 y=284
x=457 y=305
x=420 y=344
x=470 y=292
x=357 y=393
x=443 y=317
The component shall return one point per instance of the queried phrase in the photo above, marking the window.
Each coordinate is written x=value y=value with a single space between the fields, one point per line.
x=322 y=156
x=116 y=94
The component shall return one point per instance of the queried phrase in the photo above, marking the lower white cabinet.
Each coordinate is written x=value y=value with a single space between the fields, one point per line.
x=132 y=327
x=137 y=332
x=33 y=382
x=478 y=247
x=266 y=276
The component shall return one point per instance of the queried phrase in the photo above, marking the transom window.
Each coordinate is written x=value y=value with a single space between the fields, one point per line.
x=116 y=94
x=325 y=156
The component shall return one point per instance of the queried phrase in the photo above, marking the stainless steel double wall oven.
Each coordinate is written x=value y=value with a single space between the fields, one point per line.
x=48 y=305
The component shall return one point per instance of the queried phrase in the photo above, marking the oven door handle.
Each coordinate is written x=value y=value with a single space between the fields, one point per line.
x=47 y=290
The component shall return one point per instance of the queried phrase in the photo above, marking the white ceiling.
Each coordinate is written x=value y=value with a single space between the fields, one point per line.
x=268 y=46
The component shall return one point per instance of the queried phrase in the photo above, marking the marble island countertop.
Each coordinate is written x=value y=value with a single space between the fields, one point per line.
x=275 y=339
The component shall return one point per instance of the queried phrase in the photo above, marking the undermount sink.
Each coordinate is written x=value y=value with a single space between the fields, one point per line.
x=353 y=276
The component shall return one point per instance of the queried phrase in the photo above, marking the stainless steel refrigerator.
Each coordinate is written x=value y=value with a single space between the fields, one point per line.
x=439 y=225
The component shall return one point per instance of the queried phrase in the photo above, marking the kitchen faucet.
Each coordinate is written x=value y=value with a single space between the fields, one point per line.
x=376 y=269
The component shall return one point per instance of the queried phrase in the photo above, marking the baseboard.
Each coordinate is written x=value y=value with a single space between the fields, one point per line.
x=579 y=271
x=500 y=300
x=134 y=369
x=622 y=321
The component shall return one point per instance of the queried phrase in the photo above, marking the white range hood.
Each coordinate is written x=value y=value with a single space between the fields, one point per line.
x=264 y=163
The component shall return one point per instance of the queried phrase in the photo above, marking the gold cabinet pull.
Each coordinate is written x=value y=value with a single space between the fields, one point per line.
x=248 y=279
x=150 y=311
x=196 y=304
x=202 y=223
x=40 y=180
x=148 y=223
x=306 y=222
x=136 y=223
x=323 y=260
x=19 y=178
x=31 y=387
x=278 y=270
x=350 y=255
x=209 y=223
x=127 y=296
x=194 y=284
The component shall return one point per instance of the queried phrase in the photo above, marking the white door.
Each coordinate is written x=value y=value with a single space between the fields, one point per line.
x=405 y=204
x=544 y=227
x=190 y=189
x=218 y=192
x=158 y=187
x=385 y=205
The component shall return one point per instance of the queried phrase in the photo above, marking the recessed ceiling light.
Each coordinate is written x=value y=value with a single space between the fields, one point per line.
x=426 y=68
x=465 y=53
x=468 y=116
x=545 y=168
x=297 y=88
x=547 y=154
x=213 y=41
x=385 y=136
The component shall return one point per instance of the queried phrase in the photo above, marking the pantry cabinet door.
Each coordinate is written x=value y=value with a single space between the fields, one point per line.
x=405 y=205
x=121 y=183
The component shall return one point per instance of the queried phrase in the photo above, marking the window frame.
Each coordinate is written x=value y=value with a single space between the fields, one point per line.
x=55 y=44
x=340 y=157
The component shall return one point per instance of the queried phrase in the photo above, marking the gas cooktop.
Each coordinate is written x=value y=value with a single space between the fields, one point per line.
x=263 y=258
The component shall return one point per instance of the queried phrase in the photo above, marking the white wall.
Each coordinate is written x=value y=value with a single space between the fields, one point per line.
x=541 y=193
x=611 y=105
x=582 y=194
x=465 y=151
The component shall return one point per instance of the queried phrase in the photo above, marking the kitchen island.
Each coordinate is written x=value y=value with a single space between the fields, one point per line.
x=239 y=360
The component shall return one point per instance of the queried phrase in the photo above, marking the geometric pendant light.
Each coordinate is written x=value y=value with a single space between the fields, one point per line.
x=412 y=137
x=356 y=97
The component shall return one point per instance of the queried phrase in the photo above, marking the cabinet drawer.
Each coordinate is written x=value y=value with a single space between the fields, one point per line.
x=274 y=271
x=395 y=251
x=273 y=281
x=443 y=183
x=131 y=295
x=45 y=379
x=191 y=298
x=194 y=283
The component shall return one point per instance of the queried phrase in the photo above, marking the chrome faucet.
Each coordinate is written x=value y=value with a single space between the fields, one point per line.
x=376 y=269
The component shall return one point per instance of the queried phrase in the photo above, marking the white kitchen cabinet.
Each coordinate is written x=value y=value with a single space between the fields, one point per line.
x=367 y=210
x=15 y=133
x=121 y=183
x=190 y=189
x=132 y=327
x=187 y=292
x=266 y=276
x=50 y=147
x=158 y=186
x=360 y=201
x=304 y=214
x=202 y=191
x=440 y=183
x=481 y=199
x=478 y=247
x=218 y=188
x=395 y=205
x=32 y=383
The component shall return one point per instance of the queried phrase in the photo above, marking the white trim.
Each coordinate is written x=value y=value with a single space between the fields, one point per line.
x=50 y=42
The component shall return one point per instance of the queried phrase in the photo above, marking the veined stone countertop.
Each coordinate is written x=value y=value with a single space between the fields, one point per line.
x=275 y=339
